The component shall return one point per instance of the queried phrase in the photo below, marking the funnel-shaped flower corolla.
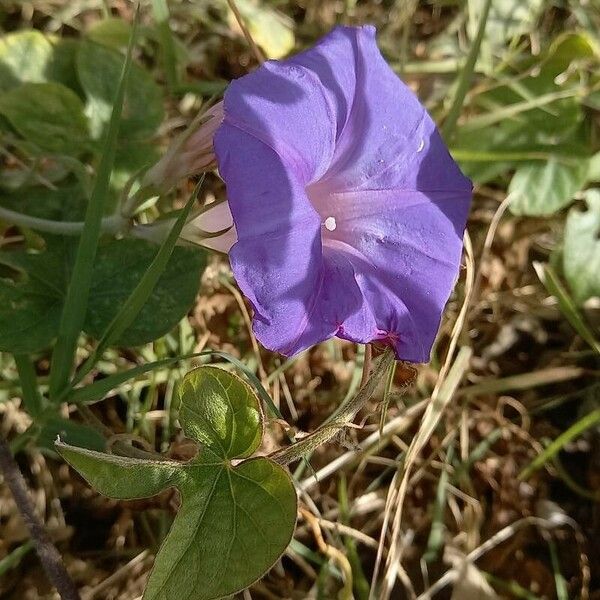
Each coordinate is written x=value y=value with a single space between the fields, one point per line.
x=348 y=207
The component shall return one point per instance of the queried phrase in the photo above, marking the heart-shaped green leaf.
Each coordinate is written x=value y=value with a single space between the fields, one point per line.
x=235 y=520
x=98 y=68
x=48 y=114
x=543 y=189
x=30 y=56
x=31 y=305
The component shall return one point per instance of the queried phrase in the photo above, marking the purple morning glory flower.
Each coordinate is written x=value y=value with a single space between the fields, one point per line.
x=348 y=207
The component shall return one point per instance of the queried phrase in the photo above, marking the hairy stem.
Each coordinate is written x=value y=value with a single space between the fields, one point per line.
x=46 y=550
x=112 y=224
x=340 y=418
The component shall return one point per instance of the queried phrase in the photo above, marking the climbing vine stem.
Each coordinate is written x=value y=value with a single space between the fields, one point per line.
x=340 y=419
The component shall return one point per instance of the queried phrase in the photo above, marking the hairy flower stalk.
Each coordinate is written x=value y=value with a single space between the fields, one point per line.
x=191 y=154
x=340 y=419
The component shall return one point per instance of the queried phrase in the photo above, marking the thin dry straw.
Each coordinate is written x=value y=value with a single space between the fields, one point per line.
x=238 y=16
x=448 y=381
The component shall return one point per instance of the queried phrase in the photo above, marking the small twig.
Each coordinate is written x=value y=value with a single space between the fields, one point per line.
x=331 y=552
x=342 y=529
x=487 y=245
x=46 y=550
x=240 y=20
x=119 y=575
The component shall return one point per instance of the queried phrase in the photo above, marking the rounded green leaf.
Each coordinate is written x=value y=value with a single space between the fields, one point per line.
x=581 y=252
x=49 y=115
x=221 y=412
x=235 y=521
x=99 y=68
x=119 y=266
x=24 y=56
x=233 y=525
x=540 y=189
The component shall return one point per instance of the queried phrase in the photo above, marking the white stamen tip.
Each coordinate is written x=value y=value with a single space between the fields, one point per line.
x=330 y=224
x=421 y=146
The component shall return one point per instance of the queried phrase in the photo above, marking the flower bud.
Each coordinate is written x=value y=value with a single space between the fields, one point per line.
x=190 y=154
x=212 y=227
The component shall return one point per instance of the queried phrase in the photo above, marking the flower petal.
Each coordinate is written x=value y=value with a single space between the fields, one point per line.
x=298 y=298
x=283 y=105
x=385 y=139
x=214 y=218
x=405 y=248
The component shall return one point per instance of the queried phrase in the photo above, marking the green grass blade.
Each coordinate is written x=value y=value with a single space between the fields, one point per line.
x=99 y=389
x=559 y=443
x=562 y=592
x=571 y=483
x=12 y=560
x=553 y=285
x=75 y=306
x=136 y=300
x=478 y=453
x=465 y=77
x=360 y=585
x=32 y=399
x=160 y=10
x=436 y=533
